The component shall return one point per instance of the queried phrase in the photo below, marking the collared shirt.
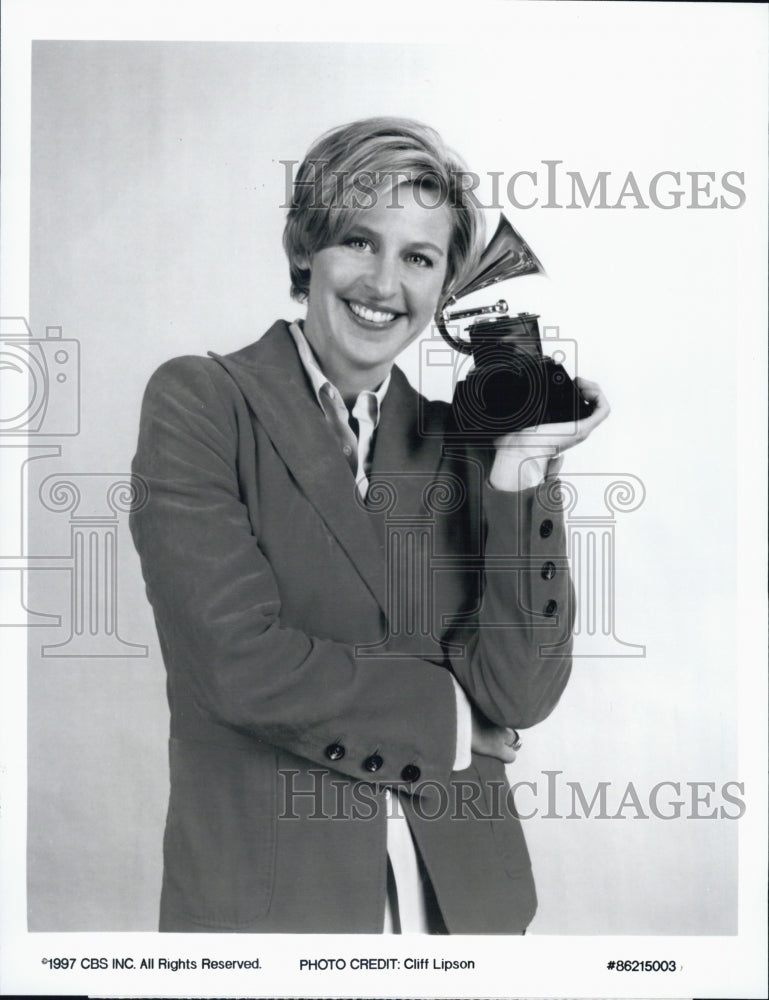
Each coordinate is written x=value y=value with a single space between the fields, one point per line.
x=354 y=428
x=357 y=449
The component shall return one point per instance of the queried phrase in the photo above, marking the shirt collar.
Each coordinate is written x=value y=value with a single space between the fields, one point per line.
x=319 y=381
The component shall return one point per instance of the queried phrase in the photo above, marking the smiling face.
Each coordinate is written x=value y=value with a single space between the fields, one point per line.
x=374 y=292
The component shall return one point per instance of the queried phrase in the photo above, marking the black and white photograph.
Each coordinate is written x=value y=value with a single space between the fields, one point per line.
x=383 y=440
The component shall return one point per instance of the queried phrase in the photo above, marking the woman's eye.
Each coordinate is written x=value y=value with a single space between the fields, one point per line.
x=419 y=259
x=356 y=242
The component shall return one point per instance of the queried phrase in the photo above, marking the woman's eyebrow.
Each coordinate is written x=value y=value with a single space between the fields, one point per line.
x=419 y=244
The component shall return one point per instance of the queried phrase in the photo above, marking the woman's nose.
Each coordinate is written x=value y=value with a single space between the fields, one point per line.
x=381 y=277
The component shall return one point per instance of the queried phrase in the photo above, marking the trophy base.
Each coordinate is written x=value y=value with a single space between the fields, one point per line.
x=499 y=399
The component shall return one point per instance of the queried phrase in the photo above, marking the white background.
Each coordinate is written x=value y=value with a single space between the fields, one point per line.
x=155 y=230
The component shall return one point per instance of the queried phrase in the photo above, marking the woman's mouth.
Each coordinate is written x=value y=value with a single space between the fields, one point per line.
x=374 y=317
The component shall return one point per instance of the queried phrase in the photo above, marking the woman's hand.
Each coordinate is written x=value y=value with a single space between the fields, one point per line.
x=524 y=458
x=494 y=741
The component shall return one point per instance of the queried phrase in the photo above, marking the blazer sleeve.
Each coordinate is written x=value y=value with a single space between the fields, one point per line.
x=218 y=610
x=517 y=643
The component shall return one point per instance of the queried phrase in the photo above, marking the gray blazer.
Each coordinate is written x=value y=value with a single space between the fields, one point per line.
x=309 y=639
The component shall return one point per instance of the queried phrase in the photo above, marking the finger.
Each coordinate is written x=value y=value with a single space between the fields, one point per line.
x=550 y=437
x=560 y=436
x=588 y=424
x=601 y=411
x=511 y=743
x=594 y=394
x=539 y=440
x=506 y=754
x=586 y=385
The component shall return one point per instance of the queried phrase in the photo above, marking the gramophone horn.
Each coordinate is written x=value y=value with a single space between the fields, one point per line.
x=507 y=255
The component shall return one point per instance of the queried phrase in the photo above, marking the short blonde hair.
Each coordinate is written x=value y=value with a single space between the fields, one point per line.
x=346 y=169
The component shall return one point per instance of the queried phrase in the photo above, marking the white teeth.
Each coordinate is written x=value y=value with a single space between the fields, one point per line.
x=372 y=315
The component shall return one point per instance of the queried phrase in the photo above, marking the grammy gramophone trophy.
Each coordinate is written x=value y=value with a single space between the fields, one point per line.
x=513 y=384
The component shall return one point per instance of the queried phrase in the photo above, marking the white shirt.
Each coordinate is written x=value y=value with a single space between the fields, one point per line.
x=358 y=452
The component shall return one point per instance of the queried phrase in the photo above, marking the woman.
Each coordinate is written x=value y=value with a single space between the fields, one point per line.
x=344 y=681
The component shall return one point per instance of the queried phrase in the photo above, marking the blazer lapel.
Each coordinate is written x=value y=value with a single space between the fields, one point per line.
x=273 y=382
x=405 y=500
x=404 y=462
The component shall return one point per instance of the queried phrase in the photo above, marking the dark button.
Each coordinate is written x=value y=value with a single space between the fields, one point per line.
x=335 y=751
x=550 y=608
x=546 y=528
x=410 y=772
x=373 y=763
x=548 y=570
